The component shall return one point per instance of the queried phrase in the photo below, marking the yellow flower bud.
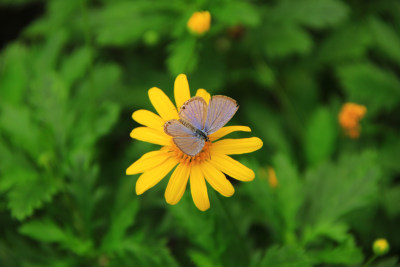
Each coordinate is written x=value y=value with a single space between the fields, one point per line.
x=380 y=246
x=349 y=118
x=199 y=22
x=272 y=180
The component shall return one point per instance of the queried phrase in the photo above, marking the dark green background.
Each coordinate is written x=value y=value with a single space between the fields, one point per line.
x=72 y=72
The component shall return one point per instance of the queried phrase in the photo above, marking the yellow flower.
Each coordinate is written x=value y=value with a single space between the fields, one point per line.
x=349 y=118
x=272 y=180
x=209 y=165
x=380 y=246
x=199 y=22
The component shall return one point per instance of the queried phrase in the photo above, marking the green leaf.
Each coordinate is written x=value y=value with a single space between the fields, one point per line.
x=320 y=137
x=283 y=40
x=332 y=190
x=313 y=13
x=14 y=74
x=48 y=56
x=145 y=252
x=43 y=230
x=124 y=23
x=390 y=197
x=48 y=231
x=289 y=256
x=367 y=84
x=387 y=40
x=183 y=56
x=347 y=253
x=349 y=41
x=272 y=133
x=122 y=216
x=233 y=13
x=18 y=125
x=75 y=65
x=31 y=195
x=337 y=232
x=289 y=194
x=202 y=260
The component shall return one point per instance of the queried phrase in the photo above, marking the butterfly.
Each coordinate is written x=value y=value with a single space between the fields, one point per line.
x=197 y=121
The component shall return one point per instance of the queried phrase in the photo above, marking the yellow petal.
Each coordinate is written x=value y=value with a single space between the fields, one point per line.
x=232 y=167
x=149 y=119
x=177 y=184
x=147 y=161
x=181 y=90
x=204 y=94
x=198 y=188
x=217 y=179
x=162 y=104
x=150 y=135
x=227 y=130
x=236 y=146
x=151 y=177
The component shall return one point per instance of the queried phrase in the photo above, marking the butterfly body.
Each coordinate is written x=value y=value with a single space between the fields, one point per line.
x=198 y=132
x=197 y=121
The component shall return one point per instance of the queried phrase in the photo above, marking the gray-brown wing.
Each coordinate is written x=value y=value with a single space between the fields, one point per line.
x=176 y=128
x=189 y=145
x=194 y=111
x=220 y=110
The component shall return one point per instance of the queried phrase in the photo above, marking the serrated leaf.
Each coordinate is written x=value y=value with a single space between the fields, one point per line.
x=346 y=253
x=289 y=256
x=18 y=125
x=336 y=189
x=333 y=231
x=284 y=40
x=386 y=39
x=374 y=87
x=25 y=198
x=183 y=56
x=320 y=136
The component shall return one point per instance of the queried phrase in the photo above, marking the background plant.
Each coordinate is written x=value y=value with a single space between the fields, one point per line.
x=77 y=70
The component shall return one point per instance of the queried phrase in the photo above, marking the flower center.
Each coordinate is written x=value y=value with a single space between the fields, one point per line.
x=191 y=160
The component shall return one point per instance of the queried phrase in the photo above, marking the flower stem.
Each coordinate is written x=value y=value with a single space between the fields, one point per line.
x=371 y=259
x=231 y=221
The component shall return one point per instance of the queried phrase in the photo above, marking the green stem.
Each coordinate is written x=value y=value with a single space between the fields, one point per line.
x=298 y=125
x=88 y=42
x=231 y=221
x=371 y=259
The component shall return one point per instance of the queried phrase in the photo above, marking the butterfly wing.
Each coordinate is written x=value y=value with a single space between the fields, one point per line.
x=184 y=138
x=194 y=111
x=189 y=145
x=220 y=110
x=175 y=128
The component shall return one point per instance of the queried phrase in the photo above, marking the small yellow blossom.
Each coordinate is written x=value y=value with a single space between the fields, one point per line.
x=273 y=182
x=211 y=164
x=349 y=118
x=380 y=246
x=199 y=22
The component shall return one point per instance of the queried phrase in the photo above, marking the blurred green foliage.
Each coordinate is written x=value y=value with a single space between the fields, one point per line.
x=70 y=81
